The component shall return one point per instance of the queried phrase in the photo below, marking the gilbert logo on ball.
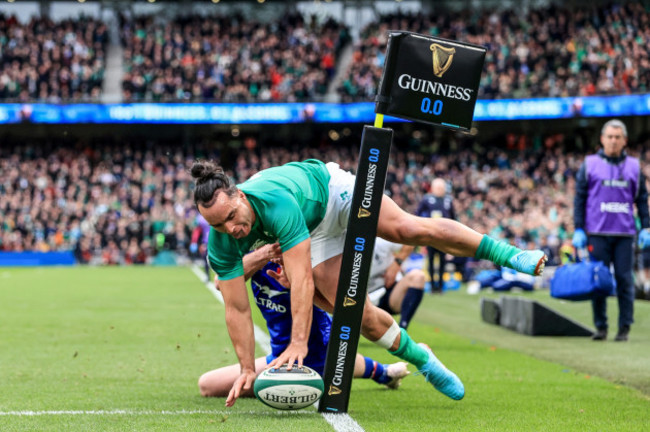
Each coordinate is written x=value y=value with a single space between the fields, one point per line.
x=289 y=389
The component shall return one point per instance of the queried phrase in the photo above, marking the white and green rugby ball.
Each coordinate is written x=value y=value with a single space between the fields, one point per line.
x=288 y=389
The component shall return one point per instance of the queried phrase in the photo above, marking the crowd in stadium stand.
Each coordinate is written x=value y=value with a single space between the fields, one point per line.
x=113 y=204
x=125 y=203
x=547 y=52
x=48 y=61
x=229 y=59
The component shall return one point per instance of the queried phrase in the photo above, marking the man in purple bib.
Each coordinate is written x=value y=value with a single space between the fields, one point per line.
x=608 y=185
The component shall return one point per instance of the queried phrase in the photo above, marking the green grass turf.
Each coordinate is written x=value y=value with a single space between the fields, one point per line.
x=622 y=363
x=137 y=339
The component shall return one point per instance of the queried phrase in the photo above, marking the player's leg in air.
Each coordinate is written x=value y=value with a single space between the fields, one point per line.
x=452 y=237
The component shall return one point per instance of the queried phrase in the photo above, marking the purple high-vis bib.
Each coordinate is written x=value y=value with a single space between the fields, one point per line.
x=612 y=191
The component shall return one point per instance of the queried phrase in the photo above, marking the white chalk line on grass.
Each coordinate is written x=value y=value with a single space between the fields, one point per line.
x=341 y=422
x=140 y=413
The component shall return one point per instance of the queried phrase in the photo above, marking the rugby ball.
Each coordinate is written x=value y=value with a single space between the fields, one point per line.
x=288 y=389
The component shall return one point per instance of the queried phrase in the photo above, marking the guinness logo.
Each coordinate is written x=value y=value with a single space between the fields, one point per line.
x=347 y=301
x=334 y=390
x=363 y=213
x=442 y=58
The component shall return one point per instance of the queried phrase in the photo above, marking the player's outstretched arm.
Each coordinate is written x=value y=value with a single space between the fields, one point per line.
x=297 y=265
x=240 y=327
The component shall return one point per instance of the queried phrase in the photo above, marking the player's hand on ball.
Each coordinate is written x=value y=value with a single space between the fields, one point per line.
x=244 y=382
x=295 y=353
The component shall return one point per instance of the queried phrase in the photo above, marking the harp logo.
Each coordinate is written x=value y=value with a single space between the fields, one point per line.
x=363 y=213
x=442 y=58
x=347 y=301
x=334 y=390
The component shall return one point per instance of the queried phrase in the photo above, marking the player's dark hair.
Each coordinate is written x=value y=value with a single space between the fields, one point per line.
x=209 y=178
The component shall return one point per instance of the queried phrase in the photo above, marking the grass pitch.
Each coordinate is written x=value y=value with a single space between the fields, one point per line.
x=122 y=348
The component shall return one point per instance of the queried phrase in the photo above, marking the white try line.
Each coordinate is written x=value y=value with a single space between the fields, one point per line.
x=341 y=422
x=140 y=413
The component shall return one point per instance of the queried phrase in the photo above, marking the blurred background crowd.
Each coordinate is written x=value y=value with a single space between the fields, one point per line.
x=123 y=202
x=229 y=58
x=48 y=61
x=549 y=51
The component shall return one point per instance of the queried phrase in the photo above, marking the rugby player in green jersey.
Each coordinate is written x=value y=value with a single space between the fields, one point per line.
x=304 y=206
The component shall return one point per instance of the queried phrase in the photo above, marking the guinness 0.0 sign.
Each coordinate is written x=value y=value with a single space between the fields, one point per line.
x=429 y=79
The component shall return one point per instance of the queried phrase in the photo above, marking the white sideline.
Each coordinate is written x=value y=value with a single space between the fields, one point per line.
x=340 y=422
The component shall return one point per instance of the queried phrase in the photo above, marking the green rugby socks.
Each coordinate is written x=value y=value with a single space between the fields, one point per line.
x=410 y=351
x=499 y=252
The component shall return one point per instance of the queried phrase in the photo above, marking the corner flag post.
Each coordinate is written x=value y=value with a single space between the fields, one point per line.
x=379 y=120
x=414 y=86
x=355 y=268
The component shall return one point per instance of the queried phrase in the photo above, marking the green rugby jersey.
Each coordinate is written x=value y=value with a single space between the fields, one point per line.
x=289 y=201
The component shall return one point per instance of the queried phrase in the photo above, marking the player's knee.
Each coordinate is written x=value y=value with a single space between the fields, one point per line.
x=416 y=279
x=205 y=388
x=374 y=322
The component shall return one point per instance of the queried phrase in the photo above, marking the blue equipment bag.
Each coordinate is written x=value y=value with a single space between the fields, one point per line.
x=487 y=277
x=582 y=281
x=502 y=285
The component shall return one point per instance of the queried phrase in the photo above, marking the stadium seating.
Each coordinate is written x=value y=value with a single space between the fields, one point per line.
x=122 y=202
x=49 y=61
x=229 y=59
x=546 y=52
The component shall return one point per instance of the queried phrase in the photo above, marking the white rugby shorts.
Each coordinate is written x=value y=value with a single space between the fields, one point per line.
x=328 y=238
